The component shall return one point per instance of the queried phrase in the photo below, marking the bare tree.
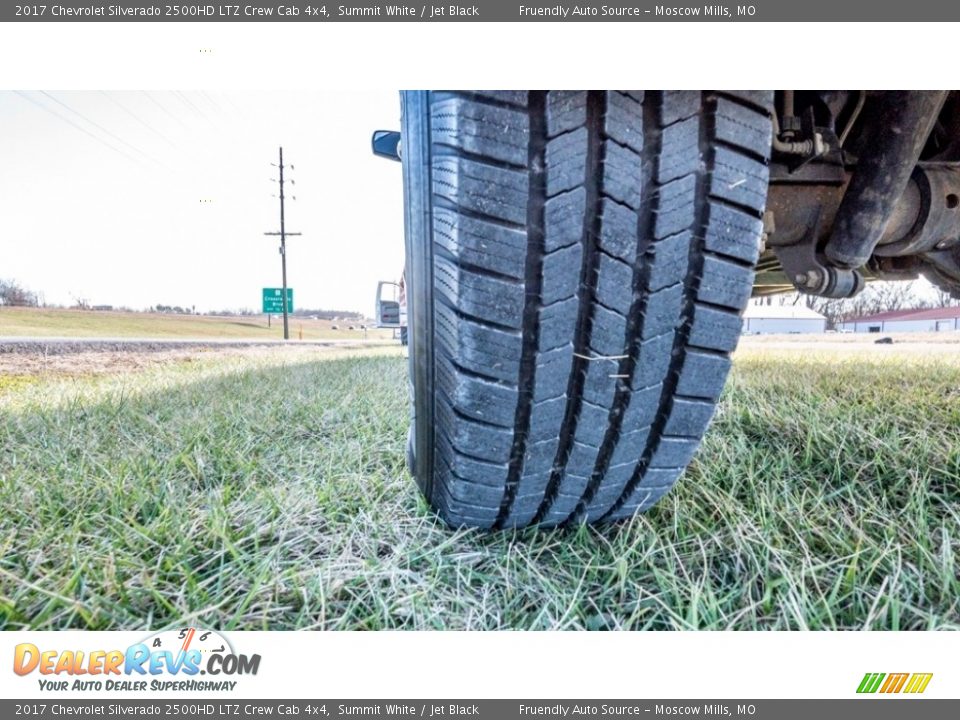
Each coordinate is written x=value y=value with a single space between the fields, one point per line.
x=876 y=298
x=13 y=293
x=943 y=299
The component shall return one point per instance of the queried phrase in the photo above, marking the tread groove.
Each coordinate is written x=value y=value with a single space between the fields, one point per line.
x=742 y=150
x=691 y=286
x=649 y=203
x=476 y=458
x=719 y=308
x=467 y=372
x=593 y=182
x=732 y=259
x=734 y=205
x=481 y=99
x=442 y=149
x=442 y=202
x=482 y=322
x=708 y=351
x=443 y=252
x=533 y=266
x=744 y=102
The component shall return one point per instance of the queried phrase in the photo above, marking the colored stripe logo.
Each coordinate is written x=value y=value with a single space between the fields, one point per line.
x=912 y=683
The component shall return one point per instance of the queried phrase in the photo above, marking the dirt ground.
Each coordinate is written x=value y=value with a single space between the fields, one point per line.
x=128 y=361
x=112 y=362
x=944 y=344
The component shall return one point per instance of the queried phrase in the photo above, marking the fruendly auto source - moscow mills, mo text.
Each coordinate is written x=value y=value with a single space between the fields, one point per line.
x=626 y=11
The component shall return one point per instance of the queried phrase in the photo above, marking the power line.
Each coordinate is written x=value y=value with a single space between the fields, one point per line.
x=78 y=127
x=162 y=107
x=136 y=117
x=236 y=108
x=209 y=99
x=102 y=128
x=190 y=104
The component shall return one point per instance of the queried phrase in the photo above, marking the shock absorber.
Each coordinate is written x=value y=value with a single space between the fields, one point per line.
x=896 y=136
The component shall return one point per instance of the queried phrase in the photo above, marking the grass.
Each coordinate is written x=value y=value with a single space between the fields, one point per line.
x=48 y=322
x=268 y=491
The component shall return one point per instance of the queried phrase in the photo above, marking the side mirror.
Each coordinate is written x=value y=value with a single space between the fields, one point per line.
x=386 y=144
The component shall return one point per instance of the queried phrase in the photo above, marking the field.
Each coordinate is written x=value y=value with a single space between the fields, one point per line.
x=265 y=489
x=42 y=322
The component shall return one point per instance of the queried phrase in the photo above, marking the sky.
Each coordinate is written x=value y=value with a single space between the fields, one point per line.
x=143 y=198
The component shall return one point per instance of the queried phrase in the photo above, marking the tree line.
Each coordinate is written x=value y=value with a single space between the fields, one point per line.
x=877 y=297
x=15 y=294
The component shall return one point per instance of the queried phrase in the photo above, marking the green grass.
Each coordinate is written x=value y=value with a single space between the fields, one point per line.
x=52 y=322
x=270 y=492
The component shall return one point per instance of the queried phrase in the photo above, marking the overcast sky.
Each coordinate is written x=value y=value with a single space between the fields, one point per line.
x=100 y=197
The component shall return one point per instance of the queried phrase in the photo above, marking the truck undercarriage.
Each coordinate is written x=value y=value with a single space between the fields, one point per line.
x=863 y=185
x=578 y=263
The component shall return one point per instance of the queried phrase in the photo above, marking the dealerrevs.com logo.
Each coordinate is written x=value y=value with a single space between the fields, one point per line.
x=170 y=660
x=892 y=683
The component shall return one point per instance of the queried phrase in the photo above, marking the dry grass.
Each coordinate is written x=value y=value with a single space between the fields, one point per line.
x=42 y=322
x=268 y=490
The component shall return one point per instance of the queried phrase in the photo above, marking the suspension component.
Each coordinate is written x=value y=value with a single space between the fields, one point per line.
x=888 y=156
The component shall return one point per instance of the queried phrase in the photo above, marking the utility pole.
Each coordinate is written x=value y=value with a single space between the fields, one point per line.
x=283 y=251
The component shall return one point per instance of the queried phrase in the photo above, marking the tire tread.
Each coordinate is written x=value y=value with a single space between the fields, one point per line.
x=593 y=253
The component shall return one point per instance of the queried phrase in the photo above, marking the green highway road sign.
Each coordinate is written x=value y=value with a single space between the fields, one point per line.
x=273 y=300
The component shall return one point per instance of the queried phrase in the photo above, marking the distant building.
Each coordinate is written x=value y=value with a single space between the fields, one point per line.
x=932 y=320
x=786 y=319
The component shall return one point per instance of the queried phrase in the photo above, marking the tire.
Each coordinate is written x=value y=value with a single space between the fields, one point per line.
x=579 y=262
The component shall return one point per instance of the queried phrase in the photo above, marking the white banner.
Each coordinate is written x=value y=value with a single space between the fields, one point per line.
x=193 y=661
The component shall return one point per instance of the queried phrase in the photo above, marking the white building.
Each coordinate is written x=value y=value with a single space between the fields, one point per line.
x=759 y=319
x=932 y=320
